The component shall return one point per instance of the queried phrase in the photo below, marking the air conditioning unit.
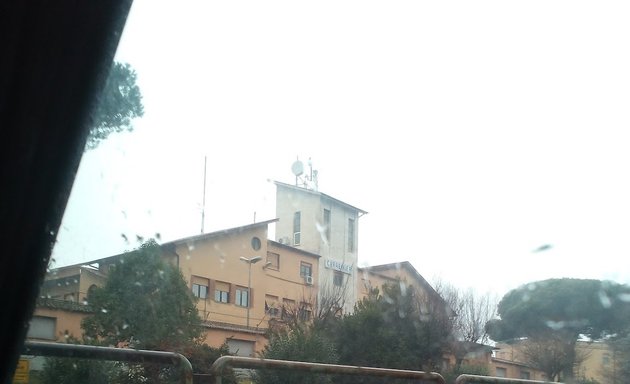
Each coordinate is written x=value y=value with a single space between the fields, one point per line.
x=283 y=240
x=296 y=238
x=308 y=280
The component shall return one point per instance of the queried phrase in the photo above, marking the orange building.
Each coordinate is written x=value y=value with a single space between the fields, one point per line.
x=243 y=281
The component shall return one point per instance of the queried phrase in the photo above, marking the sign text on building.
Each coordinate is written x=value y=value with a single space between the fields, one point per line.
x=338 y=266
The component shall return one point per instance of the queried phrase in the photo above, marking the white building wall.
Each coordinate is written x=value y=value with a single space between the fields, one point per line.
x=334 y=251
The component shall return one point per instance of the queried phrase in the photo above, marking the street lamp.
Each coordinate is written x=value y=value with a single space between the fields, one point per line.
x=251 y=261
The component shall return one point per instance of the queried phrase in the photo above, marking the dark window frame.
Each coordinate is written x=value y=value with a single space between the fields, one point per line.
x=238 y=297
x=304 y=266
x=351 y=234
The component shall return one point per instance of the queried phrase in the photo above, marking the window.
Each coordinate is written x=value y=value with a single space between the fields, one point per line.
x=242 y=297
x=271 y=306
x=42 y=327
x=69 y=297
x=306 y=269
x=241 y=347
x=256 y=243
x=200 y=291
x=222 y=292
x=350 y=235
x=288 y=309
x=273 y=260
x=199 y=286
x=327 y=224
x=525 y=375
x=366 y=285
x=501 y=372
x=338 y=279
x=305 y=312
x=296 y=228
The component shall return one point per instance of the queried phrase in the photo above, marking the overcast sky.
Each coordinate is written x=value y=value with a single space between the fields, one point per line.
x=472 y=132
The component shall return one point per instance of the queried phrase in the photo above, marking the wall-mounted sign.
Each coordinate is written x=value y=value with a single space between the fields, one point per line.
x=338 y=266
x=21 y=372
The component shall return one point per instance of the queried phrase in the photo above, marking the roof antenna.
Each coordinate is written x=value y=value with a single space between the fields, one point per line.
x=203 y=204
x=298 y=169
x=309 y=181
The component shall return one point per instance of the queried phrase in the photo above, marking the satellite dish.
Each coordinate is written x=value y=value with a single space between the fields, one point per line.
x=297 y=168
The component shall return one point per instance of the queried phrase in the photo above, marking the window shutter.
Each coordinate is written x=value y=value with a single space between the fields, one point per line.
x=211 y=287
x=232 y=298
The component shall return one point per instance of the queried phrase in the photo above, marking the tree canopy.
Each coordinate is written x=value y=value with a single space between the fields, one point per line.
x=592 y=308
x=552 y=314
x=145 y=303
x=300 y=343
x=400 y=328
x=119 y=103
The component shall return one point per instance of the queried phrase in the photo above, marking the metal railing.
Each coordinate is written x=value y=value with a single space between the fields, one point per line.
x=463 y=379
x=224 y=362
x=220 y=366
x=111 y=354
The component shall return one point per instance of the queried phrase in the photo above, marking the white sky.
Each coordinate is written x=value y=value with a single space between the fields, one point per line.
x=472 y=132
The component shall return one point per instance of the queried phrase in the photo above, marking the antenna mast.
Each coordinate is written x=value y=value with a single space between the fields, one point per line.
x=308 y=181
x=203 y=204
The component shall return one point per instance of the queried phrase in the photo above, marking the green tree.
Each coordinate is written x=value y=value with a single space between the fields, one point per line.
x=59 y=370
x=119 y=103
x=299 y=343
x=201 y=357
x=145 y=303
x=561 y=310
x=465 y=369
x=616 y=370
x=399 y=328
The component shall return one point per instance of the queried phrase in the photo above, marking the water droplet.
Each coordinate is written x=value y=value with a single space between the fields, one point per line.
x=74 y=365
x=403 y=289
x=103 y=310
x=604 y=299
x=125 y=326
x=555 y=325
x=138 y=284
x=191 y=246
x=85 y=302
x=161 y=273
x=625 y=297
x=158 y=236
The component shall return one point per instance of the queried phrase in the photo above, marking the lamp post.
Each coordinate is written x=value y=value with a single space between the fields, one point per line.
x=251 y=261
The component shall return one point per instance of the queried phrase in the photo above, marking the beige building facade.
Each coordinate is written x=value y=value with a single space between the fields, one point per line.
x=241 y=281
